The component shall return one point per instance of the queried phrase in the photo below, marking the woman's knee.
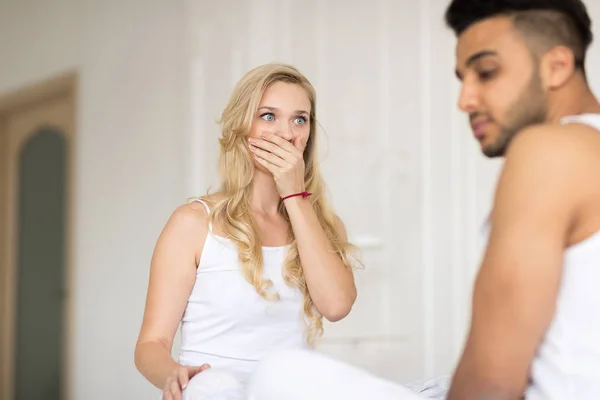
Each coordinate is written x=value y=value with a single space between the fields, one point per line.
x=282 y=371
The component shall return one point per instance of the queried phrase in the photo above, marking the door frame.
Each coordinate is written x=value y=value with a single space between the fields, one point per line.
x=59 y=87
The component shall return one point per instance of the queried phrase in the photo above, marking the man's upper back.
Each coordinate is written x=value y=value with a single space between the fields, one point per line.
x=567 y=362
x=584 y=130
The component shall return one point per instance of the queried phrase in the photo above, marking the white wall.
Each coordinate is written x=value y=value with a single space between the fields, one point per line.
x=132 y=120
x=401 y=165
x=131 y=177
x=37 y=41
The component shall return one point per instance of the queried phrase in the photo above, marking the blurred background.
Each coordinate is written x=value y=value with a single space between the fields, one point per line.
x=107 y=124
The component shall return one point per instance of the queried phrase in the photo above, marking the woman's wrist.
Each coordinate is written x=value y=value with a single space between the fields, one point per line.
x=297 y=208
x=301 y=194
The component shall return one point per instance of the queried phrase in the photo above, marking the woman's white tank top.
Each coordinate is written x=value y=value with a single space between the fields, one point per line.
x=226 y=323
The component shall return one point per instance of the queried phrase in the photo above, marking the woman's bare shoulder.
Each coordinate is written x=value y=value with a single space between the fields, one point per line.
x=191 y=217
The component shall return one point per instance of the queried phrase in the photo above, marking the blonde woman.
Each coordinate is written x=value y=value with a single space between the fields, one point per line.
x=254 y=267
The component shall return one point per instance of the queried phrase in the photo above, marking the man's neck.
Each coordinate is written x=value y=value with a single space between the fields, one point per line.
x=574 y=99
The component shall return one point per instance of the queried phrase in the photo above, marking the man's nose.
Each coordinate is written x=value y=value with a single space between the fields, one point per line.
x=468 y=100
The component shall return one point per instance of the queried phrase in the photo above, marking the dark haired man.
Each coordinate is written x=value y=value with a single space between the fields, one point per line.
x=536 y=306
x=535 y=328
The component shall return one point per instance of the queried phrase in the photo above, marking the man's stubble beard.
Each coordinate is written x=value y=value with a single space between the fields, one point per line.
x=530 y=109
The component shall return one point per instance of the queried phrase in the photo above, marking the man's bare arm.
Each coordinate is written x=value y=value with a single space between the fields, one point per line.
x=516 y=288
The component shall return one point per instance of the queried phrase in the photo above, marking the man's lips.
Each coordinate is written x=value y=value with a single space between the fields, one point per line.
x=479 y=128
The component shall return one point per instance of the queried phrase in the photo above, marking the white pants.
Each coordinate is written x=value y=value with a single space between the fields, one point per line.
x=214 y=384
x=306 y=374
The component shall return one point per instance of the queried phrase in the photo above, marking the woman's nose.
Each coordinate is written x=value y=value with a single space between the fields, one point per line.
x=285 y=131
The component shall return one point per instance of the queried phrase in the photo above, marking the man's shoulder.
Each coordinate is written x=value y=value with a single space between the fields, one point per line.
x=574 y=147
x=556 y=166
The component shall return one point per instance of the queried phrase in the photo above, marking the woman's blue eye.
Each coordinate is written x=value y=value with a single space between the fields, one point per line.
x=268 y=117
x=300 y=120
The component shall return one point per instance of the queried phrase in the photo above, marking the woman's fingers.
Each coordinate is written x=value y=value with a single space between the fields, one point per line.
x=183 y=377
x=179 y=380
x=270 y=157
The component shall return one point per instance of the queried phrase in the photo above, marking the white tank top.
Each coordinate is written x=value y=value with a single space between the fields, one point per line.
x=567 y=363
x=226 y=323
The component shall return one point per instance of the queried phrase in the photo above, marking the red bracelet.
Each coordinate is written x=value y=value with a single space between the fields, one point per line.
x=303 y=194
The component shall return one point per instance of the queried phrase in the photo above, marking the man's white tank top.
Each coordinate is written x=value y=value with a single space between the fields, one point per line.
x=567 y=363
x=226 y=323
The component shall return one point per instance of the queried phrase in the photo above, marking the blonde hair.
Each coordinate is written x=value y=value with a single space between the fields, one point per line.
x=230 y=207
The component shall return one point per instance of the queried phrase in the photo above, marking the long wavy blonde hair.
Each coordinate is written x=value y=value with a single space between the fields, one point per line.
x=230 y=206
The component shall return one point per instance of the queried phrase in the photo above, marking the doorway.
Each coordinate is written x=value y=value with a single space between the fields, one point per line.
x=36 y=207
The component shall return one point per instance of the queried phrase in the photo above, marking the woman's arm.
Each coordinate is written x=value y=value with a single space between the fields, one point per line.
x=330 y=282
x=172 y=276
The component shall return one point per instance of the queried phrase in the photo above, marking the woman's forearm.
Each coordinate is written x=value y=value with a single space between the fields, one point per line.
x=330 y=282
x=154 y=362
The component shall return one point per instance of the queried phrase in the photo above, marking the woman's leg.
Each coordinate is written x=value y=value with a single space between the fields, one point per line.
x=214 y=384
x=305 y=374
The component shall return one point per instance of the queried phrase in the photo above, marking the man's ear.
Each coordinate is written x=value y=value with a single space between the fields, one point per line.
x=557 y=66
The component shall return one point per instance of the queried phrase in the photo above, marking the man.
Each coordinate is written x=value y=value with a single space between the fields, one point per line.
x=535 y=328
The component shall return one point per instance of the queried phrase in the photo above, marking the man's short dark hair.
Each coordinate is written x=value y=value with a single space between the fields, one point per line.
x=548 y=23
